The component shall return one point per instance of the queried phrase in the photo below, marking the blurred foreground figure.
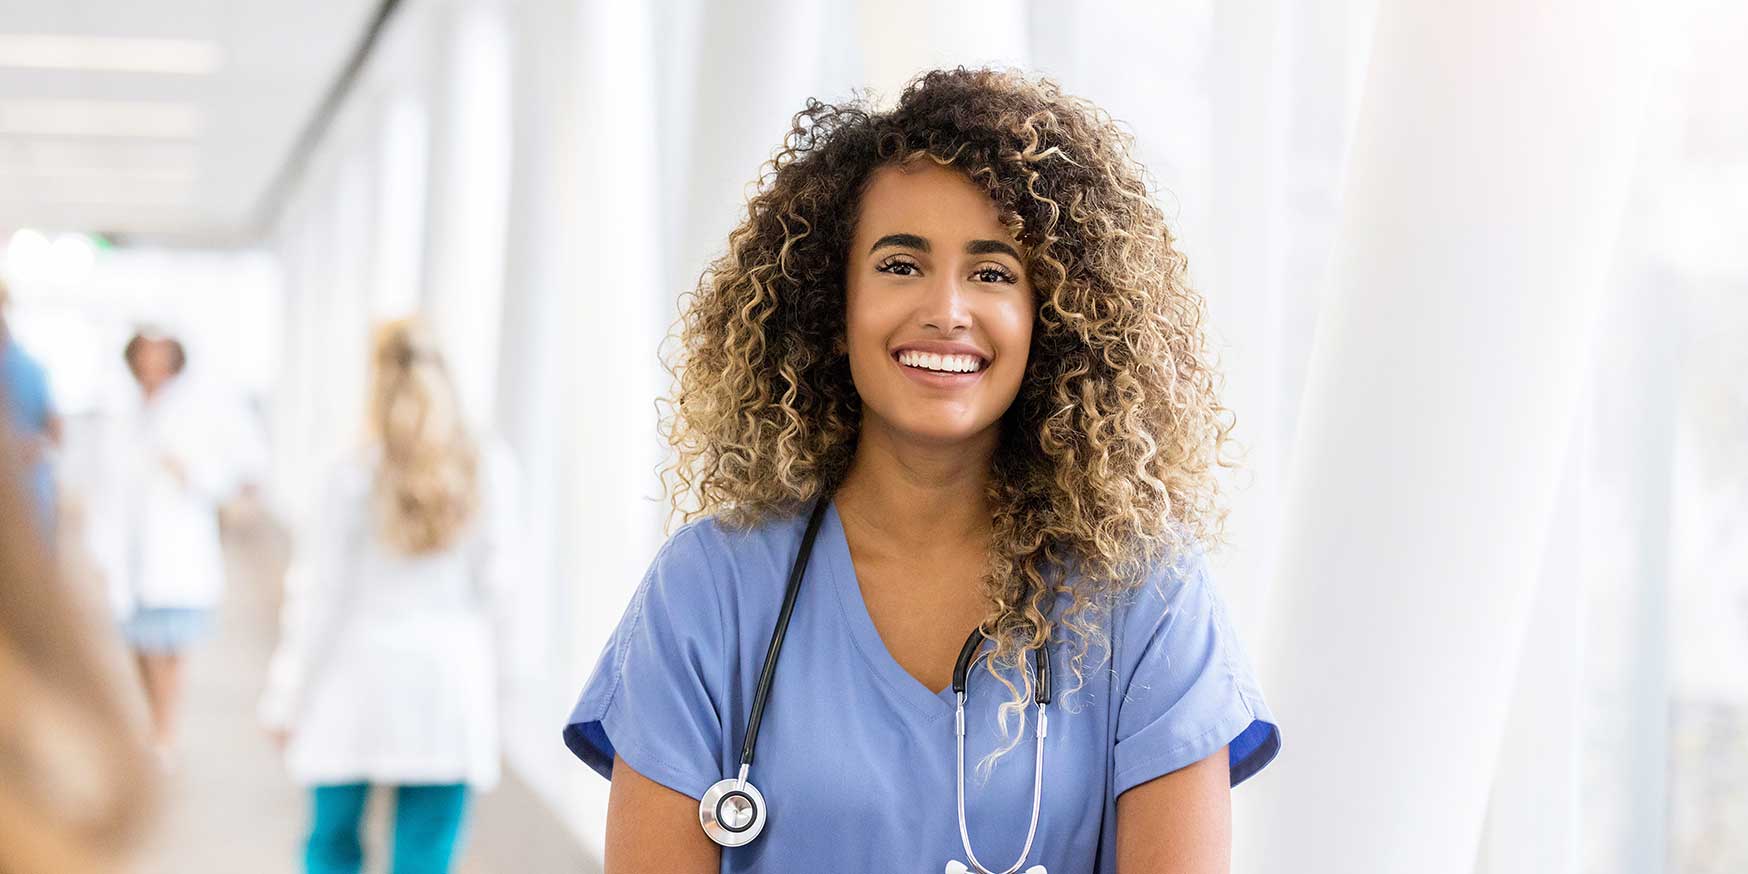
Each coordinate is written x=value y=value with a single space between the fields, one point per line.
x=171 y=456
x=74 y=777
x=388 y=665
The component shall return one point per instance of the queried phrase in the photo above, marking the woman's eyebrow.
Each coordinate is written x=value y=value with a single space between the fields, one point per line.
x=991 y=247
x=907 y=241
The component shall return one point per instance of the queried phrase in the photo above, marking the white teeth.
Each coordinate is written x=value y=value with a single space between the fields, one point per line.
x=939 y=362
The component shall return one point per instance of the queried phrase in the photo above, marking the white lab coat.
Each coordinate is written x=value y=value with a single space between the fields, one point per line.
x=155 y=536
x=389 y=667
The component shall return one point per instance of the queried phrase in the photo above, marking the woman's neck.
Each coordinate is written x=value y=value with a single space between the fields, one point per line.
x=918 y=496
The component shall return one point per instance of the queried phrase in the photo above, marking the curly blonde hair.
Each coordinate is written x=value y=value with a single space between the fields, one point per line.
x=1107 y=457
x=427 y=488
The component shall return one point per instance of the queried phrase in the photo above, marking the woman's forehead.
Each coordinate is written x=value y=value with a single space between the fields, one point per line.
x=938 y=203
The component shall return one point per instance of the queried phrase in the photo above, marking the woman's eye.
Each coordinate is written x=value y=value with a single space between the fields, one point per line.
x=897 y=268
x=993 y=274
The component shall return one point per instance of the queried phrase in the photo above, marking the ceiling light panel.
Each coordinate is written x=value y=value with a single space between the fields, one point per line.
x=101 y=118
x=40 y=51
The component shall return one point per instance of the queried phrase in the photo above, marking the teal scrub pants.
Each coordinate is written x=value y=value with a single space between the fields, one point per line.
x=427 y=828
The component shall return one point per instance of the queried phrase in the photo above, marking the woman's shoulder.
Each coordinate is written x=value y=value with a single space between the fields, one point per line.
x=722 y=541
x=1170 y=582
x=738 y=559
x=1181 y=567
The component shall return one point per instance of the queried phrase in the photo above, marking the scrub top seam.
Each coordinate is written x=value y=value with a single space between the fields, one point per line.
x=724 y=649
x=623 y=653
x=1223 y=621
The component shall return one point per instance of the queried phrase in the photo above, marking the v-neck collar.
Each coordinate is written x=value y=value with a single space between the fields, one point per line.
x=886 y=669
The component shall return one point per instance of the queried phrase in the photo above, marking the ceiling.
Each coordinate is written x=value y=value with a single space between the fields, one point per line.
x=159 y=119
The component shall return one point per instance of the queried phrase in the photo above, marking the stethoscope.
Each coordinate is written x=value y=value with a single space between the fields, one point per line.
x=733 y=810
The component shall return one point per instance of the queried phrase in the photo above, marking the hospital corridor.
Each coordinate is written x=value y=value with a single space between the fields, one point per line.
x=528 y=436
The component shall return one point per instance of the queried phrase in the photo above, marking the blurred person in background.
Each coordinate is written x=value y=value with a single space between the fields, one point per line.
x=75 y=781
x=36 y=427
x=171 y=456
x=389 y=670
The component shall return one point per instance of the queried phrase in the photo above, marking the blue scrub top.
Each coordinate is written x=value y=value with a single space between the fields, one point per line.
x=856 y=757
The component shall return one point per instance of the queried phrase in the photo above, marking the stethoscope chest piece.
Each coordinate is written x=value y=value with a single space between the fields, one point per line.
x=732 y=812
x=958 y=867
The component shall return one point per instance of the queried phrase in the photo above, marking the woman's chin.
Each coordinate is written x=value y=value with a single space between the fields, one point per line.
x=938 y=433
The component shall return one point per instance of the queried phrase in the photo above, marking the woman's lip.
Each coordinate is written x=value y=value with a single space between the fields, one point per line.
x=937 y=348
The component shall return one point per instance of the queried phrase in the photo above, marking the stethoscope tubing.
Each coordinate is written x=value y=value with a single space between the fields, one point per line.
x=1042 y=731
x=739 y=786
x=768 y=672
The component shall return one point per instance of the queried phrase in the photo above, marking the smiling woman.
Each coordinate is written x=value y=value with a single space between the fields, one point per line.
x=948 y=380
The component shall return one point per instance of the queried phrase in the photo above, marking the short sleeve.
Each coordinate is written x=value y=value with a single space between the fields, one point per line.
x=1188 y=688
x=652 y=698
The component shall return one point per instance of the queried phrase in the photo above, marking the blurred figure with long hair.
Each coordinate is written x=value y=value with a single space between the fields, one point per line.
x=387 y=672
x=172 y=455
x=75 y=782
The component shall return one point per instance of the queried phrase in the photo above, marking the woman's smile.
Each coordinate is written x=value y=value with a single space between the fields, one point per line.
x=939 y=365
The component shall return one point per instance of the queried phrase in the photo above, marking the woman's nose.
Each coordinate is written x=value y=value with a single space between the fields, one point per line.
x=947 y=307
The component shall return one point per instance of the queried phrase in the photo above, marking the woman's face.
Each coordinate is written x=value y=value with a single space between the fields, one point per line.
x=154 y=364
x=938 y=317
